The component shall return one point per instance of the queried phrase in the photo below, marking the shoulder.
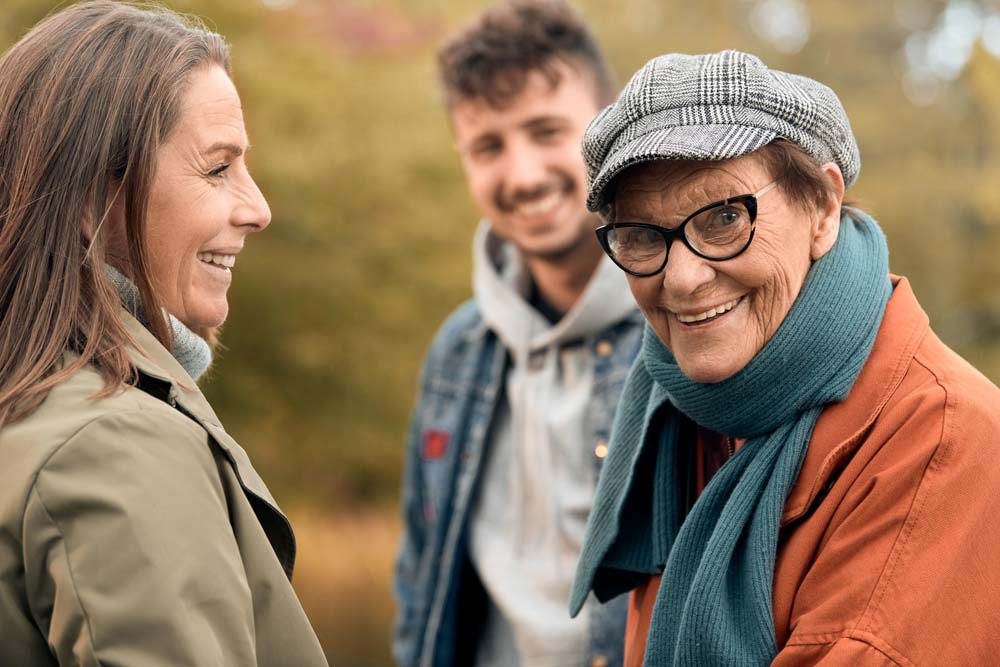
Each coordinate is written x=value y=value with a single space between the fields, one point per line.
x=893 y=555
x=464 y=321
x=937 y=437
x=462 y=331
x=938 y=429
x=962 y=388
x=926 y=505
x=139 y=468
x=936 y=387
x=955 y=403
x=74 y=430
x=76 y=404
x=960 y=409
x=126 y=453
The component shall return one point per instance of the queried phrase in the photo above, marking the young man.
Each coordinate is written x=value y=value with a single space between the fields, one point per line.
x=520 y=384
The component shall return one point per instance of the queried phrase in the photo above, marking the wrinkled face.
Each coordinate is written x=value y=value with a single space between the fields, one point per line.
x=716 y=316
x=523 y=162
x=202 y=202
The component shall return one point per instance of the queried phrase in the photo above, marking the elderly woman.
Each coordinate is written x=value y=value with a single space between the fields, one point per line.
x=800 y=472
x=133 y=529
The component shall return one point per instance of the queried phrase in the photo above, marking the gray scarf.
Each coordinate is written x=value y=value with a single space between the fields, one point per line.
x=190 y=350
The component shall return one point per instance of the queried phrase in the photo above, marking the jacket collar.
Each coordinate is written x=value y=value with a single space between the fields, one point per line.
x=502 y=282
x=153 y=360
x=840 y=429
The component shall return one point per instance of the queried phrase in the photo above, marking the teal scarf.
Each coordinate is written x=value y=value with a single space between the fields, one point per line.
x=714 y=603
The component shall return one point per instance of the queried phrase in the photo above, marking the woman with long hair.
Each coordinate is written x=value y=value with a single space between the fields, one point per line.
x=133 y=529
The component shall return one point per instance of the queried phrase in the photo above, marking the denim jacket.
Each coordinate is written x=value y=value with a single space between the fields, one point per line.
x=460 y=388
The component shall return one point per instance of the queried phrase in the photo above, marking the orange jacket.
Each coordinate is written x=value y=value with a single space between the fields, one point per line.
x=889 y=552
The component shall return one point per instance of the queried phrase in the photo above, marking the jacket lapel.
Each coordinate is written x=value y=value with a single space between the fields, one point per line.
x=154 y=361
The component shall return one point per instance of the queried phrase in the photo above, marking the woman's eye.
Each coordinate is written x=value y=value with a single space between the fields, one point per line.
x=218 y=171
x=727 y=216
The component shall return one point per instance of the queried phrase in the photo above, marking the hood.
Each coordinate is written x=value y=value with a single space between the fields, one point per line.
x=502 y=284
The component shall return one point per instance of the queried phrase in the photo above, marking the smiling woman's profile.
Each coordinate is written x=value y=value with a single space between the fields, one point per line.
x=133 y=528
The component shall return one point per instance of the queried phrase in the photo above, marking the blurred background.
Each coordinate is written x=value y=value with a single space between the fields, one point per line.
x=369 y=248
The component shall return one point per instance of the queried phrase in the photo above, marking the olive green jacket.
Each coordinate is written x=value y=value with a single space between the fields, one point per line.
x=134 y=532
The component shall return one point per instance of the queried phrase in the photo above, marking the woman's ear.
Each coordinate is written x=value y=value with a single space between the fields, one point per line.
x=113 y=214
x=827 y=224
x=88 y=226
x=111 y=223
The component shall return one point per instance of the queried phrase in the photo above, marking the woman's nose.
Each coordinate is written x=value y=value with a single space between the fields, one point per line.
x=252 y=211
x=685 y=271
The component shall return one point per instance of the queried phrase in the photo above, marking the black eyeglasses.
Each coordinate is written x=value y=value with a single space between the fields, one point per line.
x=722 y=230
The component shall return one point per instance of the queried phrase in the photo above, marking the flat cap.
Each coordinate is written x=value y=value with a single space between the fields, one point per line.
x=714 y=107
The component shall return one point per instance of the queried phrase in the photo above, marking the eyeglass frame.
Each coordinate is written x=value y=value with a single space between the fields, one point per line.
x=668 y=235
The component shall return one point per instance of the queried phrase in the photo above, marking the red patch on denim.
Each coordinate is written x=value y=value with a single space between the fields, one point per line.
x=436 y=444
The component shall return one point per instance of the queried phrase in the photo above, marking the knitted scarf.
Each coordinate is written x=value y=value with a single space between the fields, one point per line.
x=190 y=350
x=714 y=603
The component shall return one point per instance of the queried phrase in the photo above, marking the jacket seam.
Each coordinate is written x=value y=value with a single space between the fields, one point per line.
x=914 y=514
x=58 y=448
x=869 y=639
x=69 y=568
x=70 y=438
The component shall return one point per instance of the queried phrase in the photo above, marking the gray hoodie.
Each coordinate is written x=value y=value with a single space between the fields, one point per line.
x=538 y=481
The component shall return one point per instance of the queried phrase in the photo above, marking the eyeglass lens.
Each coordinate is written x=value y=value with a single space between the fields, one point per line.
x=719 y=232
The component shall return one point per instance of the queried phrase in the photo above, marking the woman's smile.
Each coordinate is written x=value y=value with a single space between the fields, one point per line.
x=699 y=317
x=218 y=260
x=715 y=316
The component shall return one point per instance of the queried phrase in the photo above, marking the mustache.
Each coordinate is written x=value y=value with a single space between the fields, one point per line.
x=506 y=200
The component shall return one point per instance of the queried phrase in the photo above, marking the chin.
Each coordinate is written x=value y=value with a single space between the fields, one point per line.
x=207 y=318
x=555 y=247
x=707 y=373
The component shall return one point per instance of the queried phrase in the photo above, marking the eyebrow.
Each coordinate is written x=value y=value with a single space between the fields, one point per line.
x=530 y=124
x=544 y=120
x=225 y=147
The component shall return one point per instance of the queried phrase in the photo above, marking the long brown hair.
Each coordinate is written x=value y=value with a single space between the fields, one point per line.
x=86 y=98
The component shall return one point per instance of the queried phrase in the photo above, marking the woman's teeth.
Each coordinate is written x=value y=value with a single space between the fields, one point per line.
x=224 y=261
x=714 y=312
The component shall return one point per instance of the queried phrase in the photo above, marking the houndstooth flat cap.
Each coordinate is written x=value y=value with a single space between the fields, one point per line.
x=714 y=107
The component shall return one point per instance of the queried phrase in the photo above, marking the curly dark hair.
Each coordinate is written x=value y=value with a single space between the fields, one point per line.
x=491 y=58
